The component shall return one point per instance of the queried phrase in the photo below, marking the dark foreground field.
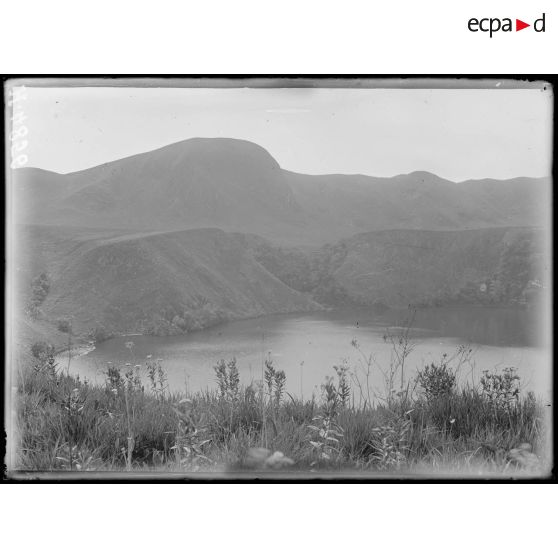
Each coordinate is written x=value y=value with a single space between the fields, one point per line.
x=132 y=423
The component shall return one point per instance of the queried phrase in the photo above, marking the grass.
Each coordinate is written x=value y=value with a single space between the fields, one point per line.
x=134 y=423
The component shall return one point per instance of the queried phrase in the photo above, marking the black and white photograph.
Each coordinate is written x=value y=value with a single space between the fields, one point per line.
x=281 y=278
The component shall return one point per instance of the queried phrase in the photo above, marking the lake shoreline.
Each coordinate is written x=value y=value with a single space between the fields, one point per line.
x=328 y=309
x=310 y=344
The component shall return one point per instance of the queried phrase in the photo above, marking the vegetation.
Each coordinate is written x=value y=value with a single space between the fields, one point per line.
x=173 y=283
x=98 y=334
x=40 y=287
x=437 y=380
x=491 y=267
x=122 y=262
x=132 y=422
x=518 y=279
x=307 y=271
x=41 y=349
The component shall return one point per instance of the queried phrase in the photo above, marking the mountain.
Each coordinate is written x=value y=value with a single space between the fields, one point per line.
x=208 y=230
x=239 y=187
x=163 y=283
x=419 y=200
x=232 y=184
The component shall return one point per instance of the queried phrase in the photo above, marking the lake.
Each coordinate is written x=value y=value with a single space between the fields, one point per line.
x=307 y=346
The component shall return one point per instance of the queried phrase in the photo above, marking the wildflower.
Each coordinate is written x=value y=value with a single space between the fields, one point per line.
x=149 y=356
x=452 y=421
x=128 y=364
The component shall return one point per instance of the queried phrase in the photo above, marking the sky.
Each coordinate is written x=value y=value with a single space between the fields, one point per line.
x=456 y=134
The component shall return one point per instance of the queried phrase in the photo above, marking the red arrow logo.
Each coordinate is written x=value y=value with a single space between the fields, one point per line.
x=519 y=25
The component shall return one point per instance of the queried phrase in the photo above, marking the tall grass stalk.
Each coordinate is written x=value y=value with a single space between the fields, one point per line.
x=64 y=423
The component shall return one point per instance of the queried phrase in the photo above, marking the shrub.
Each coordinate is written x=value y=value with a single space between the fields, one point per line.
x=436 y=380
x=41 y=349
x=40 y=287
x=330 y=397
x=64 y=325
x=228 y=380
x=343 y=387
x=501 y=390
x=234 y=378
x=391 y=444
x=99 y=334
x=157 y=377
x=179 y=322
x=275 y=380
x=114 y=379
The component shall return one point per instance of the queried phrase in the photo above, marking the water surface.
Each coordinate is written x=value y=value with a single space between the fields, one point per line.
x=307 y=346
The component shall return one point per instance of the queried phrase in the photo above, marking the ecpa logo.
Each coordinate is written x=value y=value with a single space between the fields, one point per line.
x=494 y=24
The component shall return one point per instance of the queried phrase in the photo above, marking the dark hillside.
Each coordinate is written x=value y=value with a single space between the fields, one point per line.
x=167 y=283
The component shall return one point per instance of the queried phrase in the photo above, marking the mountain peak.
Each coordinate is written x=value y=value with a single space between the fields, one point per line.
x=213 y=147
x=238 y=186
x=421 y=176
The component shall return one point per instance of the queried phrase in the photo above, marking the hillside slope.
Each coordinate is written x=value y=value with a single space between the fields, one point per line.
x=166 y=283
x=396 y=268
x=238 y=186
x=175 y=282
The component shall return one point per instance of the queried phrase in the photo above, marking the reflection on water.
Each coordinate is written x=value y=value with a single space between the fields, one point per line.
x=510 y=327
x=307 y=346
